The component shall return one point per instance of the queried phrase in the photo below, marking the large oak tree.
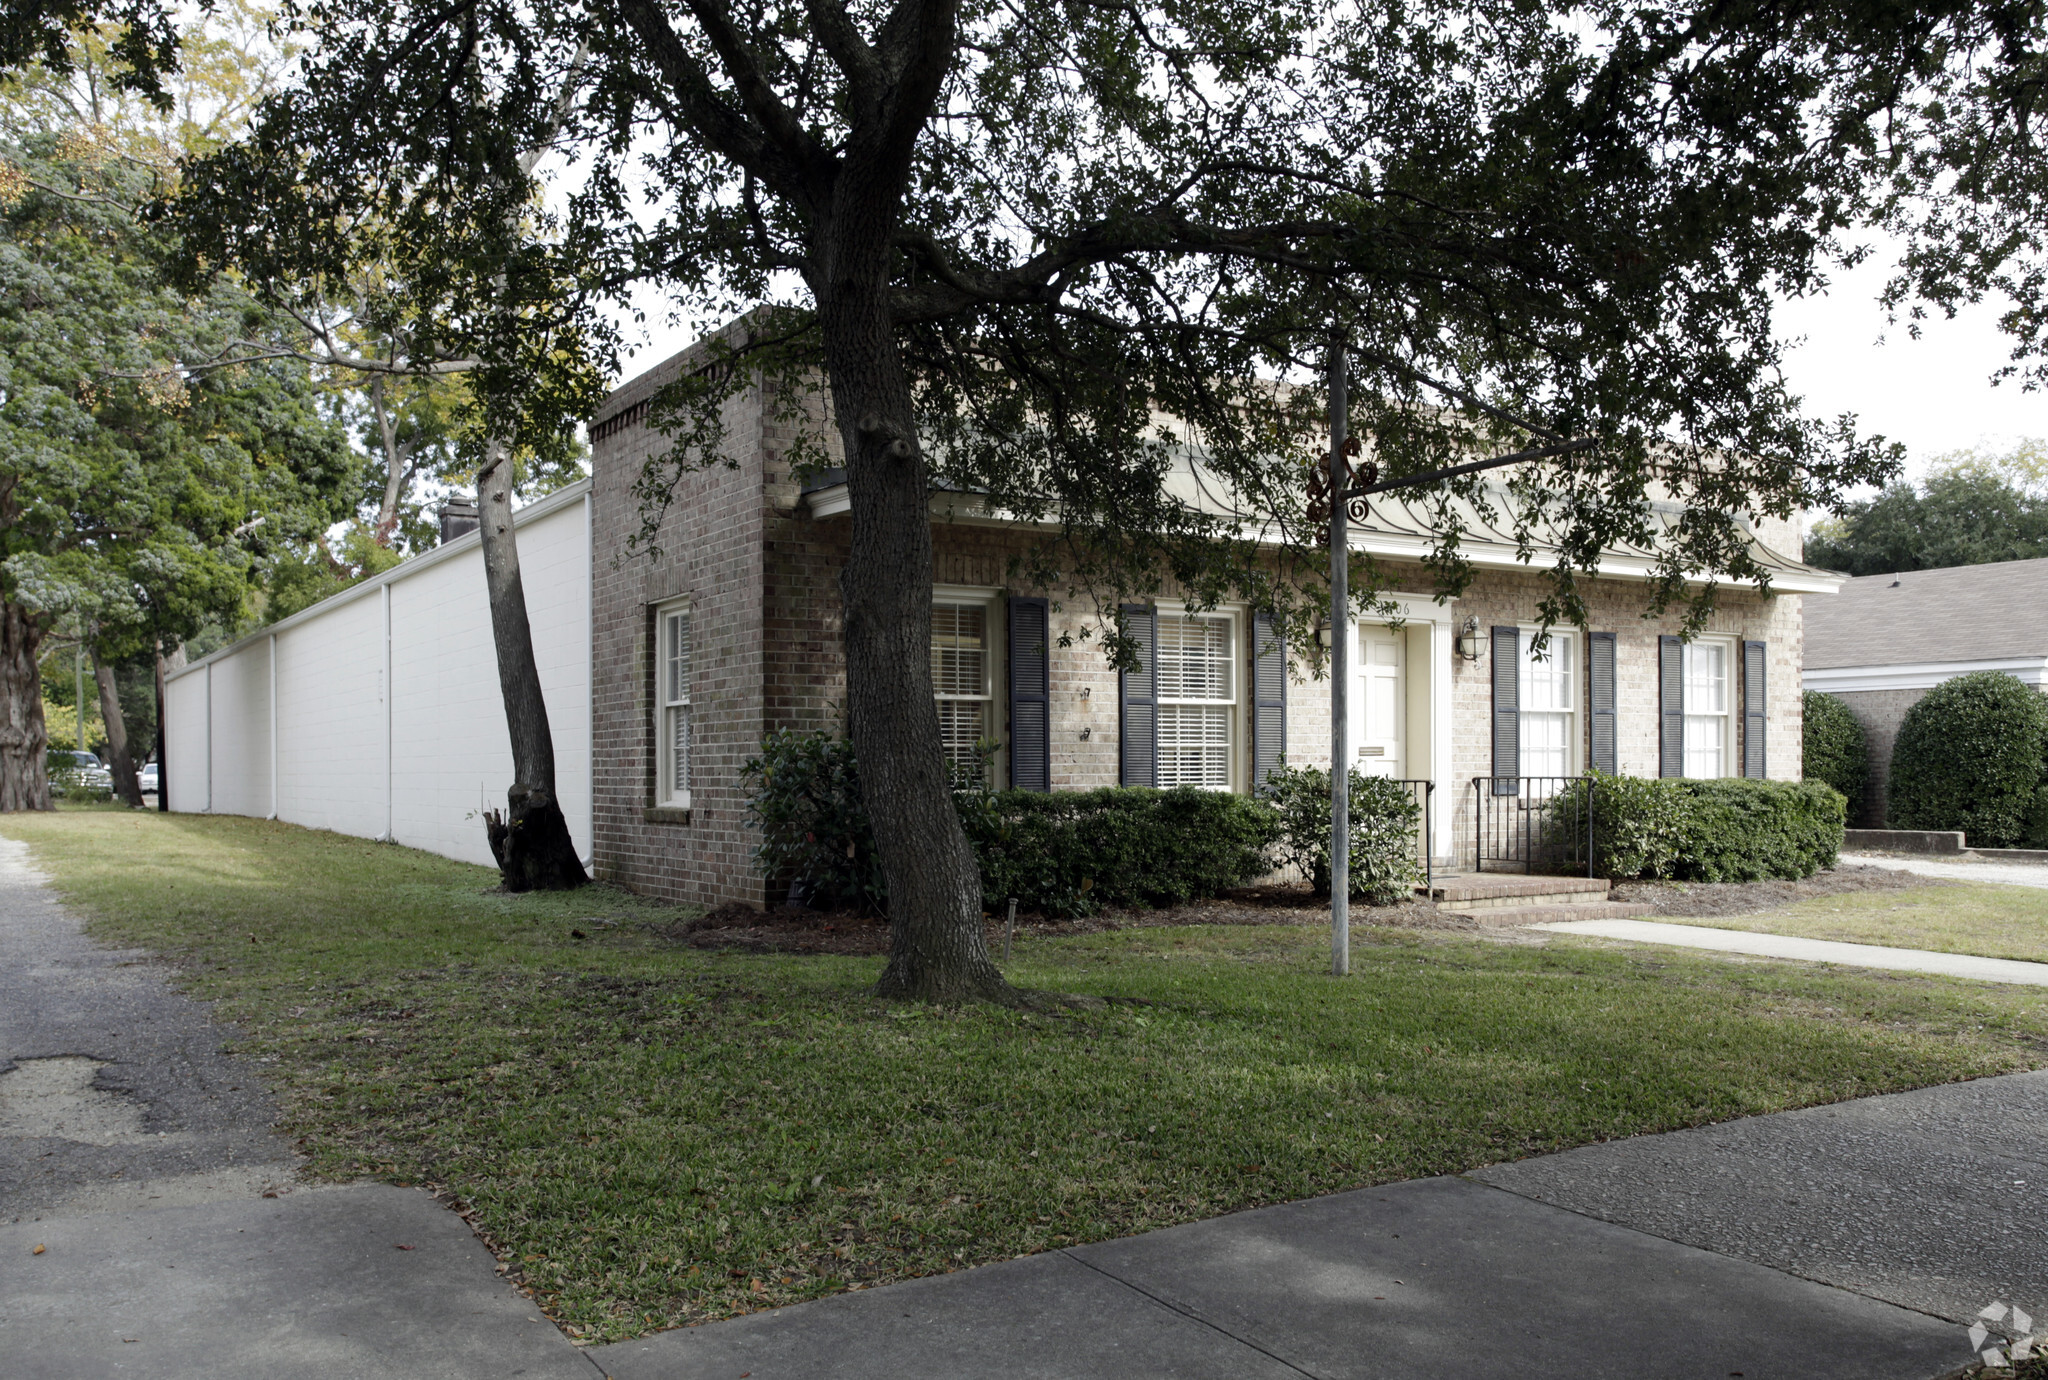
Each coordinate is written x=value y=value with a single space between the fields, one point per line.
x=1041 y=248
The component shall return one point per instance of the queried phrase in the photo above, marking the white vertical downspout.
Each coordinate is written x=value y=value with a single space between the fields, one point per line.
x=390 y=834
x=209 y=737
x=590 y=672
x=273 y=725
x=1443 y=667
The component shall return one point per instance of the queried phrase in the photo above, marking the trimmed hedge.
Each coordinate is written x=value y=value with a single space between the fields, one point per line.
x=1063 y=854
x=1835 y=748
x=1068 y=852
x=1969 y=757
x=1732 y=830
x=1384 y=824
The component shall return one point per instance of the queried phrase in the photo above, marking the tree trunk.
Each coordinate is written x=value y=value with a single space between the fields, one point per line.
x=126 y=785
x=397 y=471
x=531 y=842
x=938 y=950
x=24 y=739
x=165 y=664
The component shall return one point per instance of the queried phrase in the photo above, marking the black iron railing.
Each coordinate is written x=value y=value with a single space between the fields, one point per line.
x=1423 y=792
x=1533 y=823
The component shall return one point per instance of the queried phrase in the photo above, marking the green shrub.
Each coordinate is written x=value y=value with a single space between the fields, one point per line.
x=1746 y=831
x=2037 y=819
x=1063 y=854
x=804 y=797
x=1732 y=830
x=1969 y=757
x=1069 y=852
x=1640 y=825
x=1835 y=751
x=1384 y=822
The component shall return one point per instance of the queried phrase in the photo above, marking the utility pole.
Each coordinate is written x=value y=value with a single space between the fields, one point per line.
x=1340 y=607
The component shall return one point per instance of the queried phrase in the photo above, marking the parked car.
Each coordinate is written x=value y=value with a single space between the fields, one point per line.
x=73 y=770
x=146 y=774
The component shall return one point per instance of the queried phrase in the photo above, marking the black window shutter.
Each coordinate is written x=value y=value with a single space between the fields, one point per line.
x=1600 y=701
x=1030 y=661
x=1269 y=697
x=1507 y=710
x=1670 y=707
x=1137 y=704
x=1755 y=710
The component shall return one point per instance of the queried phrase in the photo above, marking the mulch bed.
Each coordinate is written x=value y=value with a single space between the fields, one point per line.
x=794 y=929
x=799 y=930
x=1738 y=898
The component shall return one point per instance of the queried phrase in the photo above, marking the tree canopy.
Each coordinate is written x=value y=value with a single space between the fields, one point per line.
x=1971 y=509
x=139 y=498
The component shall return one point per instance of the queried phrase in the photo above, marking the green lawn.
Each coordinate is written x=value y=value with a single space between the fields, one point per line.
x=1965 y=918
x=659 y=1135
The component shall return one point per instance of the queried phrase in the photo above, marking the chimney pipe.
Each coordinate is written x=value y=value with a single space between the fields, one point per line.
x=458 y=516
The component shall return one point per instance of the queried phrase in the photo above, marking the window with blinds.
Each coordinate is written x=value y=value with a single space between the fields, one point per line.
x=962 y=684
x=1707 y=738
x=1547 y=696
x=1196 y=676
x=672 y=726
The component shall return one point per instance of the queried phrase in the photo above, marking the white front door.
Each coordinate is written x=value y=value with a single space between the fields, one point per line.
x=1382 y=705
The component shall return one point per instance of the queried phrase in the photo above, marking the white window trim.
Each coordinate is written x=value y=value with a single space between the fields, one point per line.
x=1731 y=705
x=666 y=796
x=996 y=630
x=1238 y=707
x=1569 y=643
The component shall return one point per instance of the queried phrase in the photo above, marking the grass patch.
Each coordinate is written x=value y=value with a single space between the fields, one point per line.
x=657 y=1135
x=1979 y=918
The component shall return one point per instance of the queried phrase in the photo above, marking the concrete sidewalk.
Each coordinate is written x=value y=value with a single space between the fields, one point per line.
x=137 y=1151
x=1434 y=1278
x=362 y=1283
x=2012 y=970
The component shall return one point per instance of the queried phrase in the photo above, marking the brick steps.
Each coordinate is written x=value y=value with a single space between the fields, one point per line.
x=1516 y=899
x=1543 y=915
x=1483 y=891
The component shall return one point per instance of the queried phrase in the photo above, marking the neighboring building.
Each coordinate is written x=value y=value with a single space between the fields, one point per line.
x=1886 y=640
x=733 y=630
x=377 y=712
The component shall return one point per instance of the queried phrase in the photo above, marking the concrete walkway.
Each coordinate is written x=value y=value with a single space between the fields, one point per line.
x=2007 y=874
x=1810 y=950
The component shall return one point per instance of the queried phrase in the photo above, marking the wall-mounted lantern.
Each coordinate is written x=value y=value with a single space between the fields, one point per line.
x=1469 y=643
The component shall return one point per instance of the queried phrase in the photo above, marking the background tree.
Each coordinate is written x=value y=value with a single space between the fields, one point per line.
x=132 y=495
x=1973 y=507
x=1045 y=250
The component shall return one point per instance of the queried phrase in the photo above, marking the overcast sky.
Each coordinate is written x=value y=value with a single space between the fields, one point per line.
x=1934 y=394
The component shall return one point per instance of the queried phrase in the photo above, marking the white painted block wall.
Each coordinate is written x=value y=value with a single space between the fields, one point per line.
x=389 y=720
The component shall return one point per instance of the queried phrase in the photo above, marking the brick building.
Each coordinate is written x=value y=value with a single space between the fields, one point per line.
x=1887 y=640
x=729 y=628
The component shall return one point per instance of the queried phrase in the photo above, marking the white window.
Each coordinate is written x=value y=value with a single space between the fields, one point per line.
x=1549 y=700
x=1196 y=680
x=672 y=705
x=963 y=680
x=1709 y=739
